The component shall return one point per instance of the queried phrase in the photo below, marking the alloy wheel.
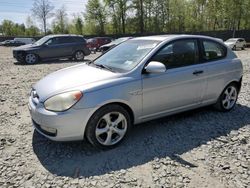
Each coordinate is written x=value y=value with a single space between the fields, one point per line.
x=30 y=58
x=79 y=55
x=229 y=97
x=111 y=128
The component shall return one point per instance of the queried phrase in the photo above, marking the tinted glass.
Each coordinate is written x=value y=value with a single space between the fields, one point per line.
x=79 y=39
x=177 y=54
x=213 y=50
x=42 y=40
x=53 y=41
x=65 y=40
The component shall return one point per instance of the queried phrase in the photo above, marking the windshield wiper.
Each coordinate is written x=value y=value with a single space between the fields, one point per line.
x=104 y=67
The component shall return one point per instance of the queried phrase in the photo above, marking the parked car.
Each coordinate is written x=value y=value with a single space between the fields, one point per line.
x=53 y=47
x=25 y=40
x=139 y=80
x=95 y=43
x=112 y=44
x=12 y=43
x=4 y=42
x=235 y=43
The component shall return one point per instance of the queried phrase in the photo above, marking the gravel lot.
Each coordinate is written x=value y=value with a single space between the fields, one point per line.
x=201 y=148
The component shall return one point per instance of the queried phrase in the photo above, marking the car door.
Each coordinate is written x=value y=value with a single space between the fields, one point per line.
x=181 y=86
x=67 y=44
x=217 y=69
x=51 y=48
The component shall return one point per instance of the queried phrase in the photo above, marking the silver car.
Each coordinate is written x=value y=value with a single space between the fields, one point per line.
x=139 y=80
x=235 y=43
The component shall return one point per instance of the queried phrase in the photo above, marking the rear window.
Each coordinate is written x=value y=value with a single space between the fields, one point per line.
x=213 y=50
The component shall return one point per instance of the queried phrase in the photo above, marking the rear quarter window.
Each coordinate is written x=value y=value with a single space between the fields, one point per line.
x=213 y=50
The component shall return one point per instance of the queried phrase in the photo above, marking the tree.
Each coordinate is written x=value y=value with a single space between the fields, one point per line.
x=60 y=22
x=95 y=16
x=42 y=10
x=7 y=27
x=119 y=12
x=79 y=26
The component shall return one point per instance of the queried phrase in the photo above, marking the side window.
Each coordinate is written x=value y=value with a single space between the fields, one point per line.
x=65 y=40
x=52 y=41
x=213 y=51
x=177 y=54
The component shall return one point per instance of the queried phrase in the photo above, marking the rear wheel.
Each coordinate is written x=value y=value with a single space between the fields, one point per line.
x=31 y=58
x=108 y=126
x=79 y=55
x=228 y=98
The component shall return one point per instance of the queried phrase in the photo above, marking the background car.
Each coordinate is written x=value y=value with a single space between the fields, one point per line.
x=112 y=44
x=95 y=43
x=53 y=47
x=235 y=43
x=12 y=43
x=139 y=80
x=25 y=40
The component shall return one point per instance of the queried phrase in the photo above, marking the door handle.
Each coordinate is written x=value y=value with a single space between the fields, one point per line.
x=198 y=72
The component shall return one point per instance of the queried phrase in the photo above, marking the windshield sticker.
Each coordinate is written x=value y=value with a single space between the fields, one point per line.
x=128 y=62
x=148 y=46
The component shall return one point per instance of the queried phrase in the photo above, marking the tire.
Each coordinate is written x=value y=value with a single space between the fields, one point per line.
x=102 y=131
x=31 y=58
x=78 y=55
x=228 y=98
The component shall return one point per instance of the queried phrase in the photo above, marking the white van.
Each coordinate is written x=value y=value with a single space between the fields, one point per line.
x=25 y=40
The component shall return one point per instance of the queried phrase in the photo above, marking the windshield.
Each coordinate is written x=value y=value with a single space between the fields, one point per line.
x=127 y=55
x=42 y=40
x=231 y=40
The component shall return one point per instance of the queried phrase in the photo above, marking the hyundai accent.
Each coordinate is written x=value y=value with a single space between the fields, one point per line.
x=139 y=80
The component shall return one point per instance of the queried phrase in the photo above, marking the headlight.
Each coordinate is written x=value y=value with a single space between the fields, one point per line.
x=63 y=101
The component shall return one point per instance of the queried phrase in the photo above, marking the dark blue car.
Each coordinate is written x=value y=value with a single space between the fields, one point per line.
x=53 y=47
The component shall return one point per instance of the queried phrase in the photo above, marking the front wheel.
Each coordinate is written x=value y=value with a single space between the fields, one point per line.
x=108 y=126
x=31 y=58
x=79 y=55
x=228 y=98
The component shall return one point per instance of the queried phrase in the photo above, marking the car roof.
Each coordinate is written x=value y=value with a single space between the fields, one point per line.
x=170 y=37
x=64 y=35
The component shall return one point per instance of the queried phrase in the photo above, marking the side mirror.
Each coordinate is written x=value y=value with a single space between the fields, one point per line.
x=155 y=67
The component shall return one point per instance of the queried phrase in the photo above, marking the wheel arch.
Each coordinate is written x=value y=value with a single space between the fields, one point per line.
x=122 y=104
x=237 y=82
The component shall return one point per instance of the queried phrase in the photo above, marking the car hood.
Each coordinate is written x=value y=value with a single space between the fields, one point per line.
x=71 y=78
x=229 y=43
x=26 y=47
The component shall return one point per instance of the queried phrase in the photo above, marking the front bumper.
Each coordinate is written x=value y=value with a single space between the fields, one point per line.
x=69 y=125
x=19 y=56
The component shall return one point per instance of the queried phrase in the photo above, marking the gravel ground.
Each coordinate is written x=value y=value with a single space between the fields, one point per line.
x=200 y=148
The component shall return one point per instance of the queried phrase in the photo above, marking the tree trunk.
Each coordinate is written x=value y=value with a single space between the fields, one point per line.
x=141 y=17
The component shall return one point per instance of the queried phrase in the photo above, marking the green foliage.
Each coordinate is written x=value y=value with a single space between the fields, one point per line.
x=143 y=16
x=95 y=16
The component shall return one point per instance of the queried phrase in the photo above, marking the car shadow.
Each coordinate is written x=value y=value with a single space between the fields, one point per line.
x=166 y=137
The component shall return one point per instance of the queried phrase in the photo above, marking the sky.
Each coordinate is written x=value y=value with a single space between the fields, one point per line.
x=18 y=10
